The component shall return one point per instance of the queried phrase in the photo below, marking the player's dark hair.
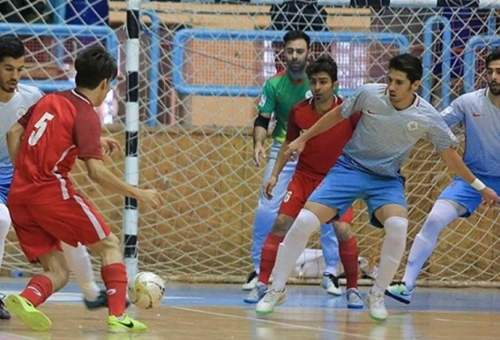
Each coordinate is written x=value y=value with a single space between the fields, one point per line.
x=93 y=65
x=494 y=55
x=324 y=63
x=296 y=35
x=11 y=46
x=408 y=64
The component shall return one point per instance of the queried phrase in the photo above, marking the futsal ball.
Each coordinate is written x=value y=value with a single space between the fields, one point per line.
x=147 y=290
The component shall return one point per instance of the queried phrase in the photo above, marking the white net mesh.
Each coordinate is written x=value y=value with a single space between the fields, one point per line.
x=197 y=99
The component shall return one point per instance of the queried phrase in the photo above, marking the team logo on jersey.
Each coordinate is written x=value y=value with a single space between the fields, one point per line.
x=308 y=94
x=263 y=99
x=287 y=196
x=412 y=125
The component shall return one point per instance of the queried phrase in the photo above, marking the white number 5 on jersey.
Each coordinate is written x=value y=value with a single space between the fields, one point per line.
x=40 y=127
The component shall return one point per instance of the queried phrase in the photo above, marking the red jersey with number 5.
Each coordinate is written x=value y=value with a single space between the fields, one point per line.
x=59 y=128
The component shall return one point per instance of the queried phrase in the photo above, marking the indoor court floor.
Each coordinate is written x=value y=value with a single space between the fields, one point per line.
x=217 y=311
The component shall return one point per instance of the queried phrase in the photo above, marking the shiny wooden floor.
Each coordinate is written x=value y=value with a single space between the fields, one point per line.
x=216 y=312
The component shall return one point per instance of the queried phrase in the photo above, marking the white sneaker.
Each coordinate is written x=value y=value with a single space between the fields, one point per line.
x=354 y=300
x=376 y=305
x=270 y=300
x=256 y=294
x=251 y=281
x=331 y=284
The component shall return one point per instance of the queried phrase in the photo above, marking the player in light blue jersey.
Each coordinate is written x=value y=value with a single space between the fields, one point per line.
x=15 y=100
x=479 y=112
x=394 y=118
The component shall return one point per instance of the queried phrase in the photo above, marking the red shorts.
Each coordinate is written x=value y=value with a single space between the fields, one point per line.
x=299 y=189
x=40 y=228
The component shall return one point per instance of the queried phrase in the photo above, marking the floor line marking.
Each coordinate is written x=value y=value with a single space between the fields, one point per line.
x=278 y=323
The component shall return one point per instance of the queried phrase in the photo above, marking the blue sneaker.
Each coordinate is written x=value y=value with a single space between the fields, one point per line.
x=400 y=292
x=354 y=300
x=256 y=294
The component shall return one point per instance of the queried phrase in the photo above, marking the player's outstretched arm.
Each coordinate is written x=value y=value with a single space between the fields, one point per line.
x=98 y=172
x=457 y=165
x=328 y=120
x=278 y=166
x=14 y=140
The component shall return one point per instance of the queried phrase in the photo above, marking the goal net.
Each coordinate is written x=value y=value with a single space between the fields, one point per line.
x=202 y=65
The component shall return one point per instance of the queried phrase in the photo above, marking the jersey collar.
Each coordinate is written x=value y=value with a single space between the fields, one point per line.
x=414 y=104
x=81 y=96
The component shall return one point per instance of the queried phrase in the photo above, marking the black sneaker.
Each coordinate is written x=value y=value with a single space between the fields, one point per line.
x=4 y=313
x=330 y=283
x=100 y=302
x=251 y=281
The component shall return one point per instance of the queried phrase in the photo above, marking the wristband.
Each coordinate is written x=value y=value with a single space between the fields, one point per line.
x=478 y=185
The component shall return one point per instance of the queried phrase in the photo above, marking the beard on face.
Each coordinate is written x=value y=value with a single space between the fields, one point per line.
x=296 y=66
x=494 y=88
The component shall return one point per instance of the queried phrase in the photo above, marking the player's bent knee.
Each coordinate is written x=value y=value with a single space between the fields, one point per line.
x=343 y=231
x=322 y=212
x=433 y=224
x=109 y=243
x=282 y=225
x=396 y=228
x=306 y=222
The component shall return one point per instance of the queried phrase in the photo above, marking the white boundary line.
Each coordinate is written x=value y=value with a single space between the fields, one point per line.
x=283 y=324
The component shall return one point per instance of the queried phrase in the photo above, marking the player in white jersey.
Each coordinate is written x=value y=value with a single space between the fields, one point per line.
x=479 y=112
x=15 y=100
x=394 y=118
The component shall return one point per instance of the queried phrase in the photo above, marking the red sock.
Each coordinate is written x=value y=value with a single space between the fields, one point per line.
x=268 y=256
x=115 y=279
x=38 y=290
x=348 y=251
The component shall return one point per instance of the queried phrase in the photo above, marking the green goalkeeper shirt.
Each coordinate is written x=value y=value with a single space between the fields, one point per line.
x=279 y=95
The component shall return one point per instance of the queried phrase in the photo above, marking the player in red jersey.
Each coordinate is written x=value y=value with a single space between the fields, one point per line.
x=45 y=207
x=315 y=161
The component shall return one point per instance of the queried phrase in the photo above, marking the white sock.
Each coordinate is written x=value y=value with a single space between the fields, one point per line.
x=443 y=213
x=292 y=246
x=78 y=260
x=4 y=228
x=393 y=248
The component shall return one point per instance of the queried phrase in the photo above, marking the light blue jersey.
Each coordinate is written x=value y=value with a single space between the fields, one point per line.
x=10 y=112
x=385 y=136
x=481 y=119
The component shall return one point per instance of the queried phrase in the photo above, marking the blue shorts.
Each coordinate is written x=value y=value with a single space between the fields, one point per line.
x=461 y=192
x=345 y=183
x=5 y=180
x=4 y=191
